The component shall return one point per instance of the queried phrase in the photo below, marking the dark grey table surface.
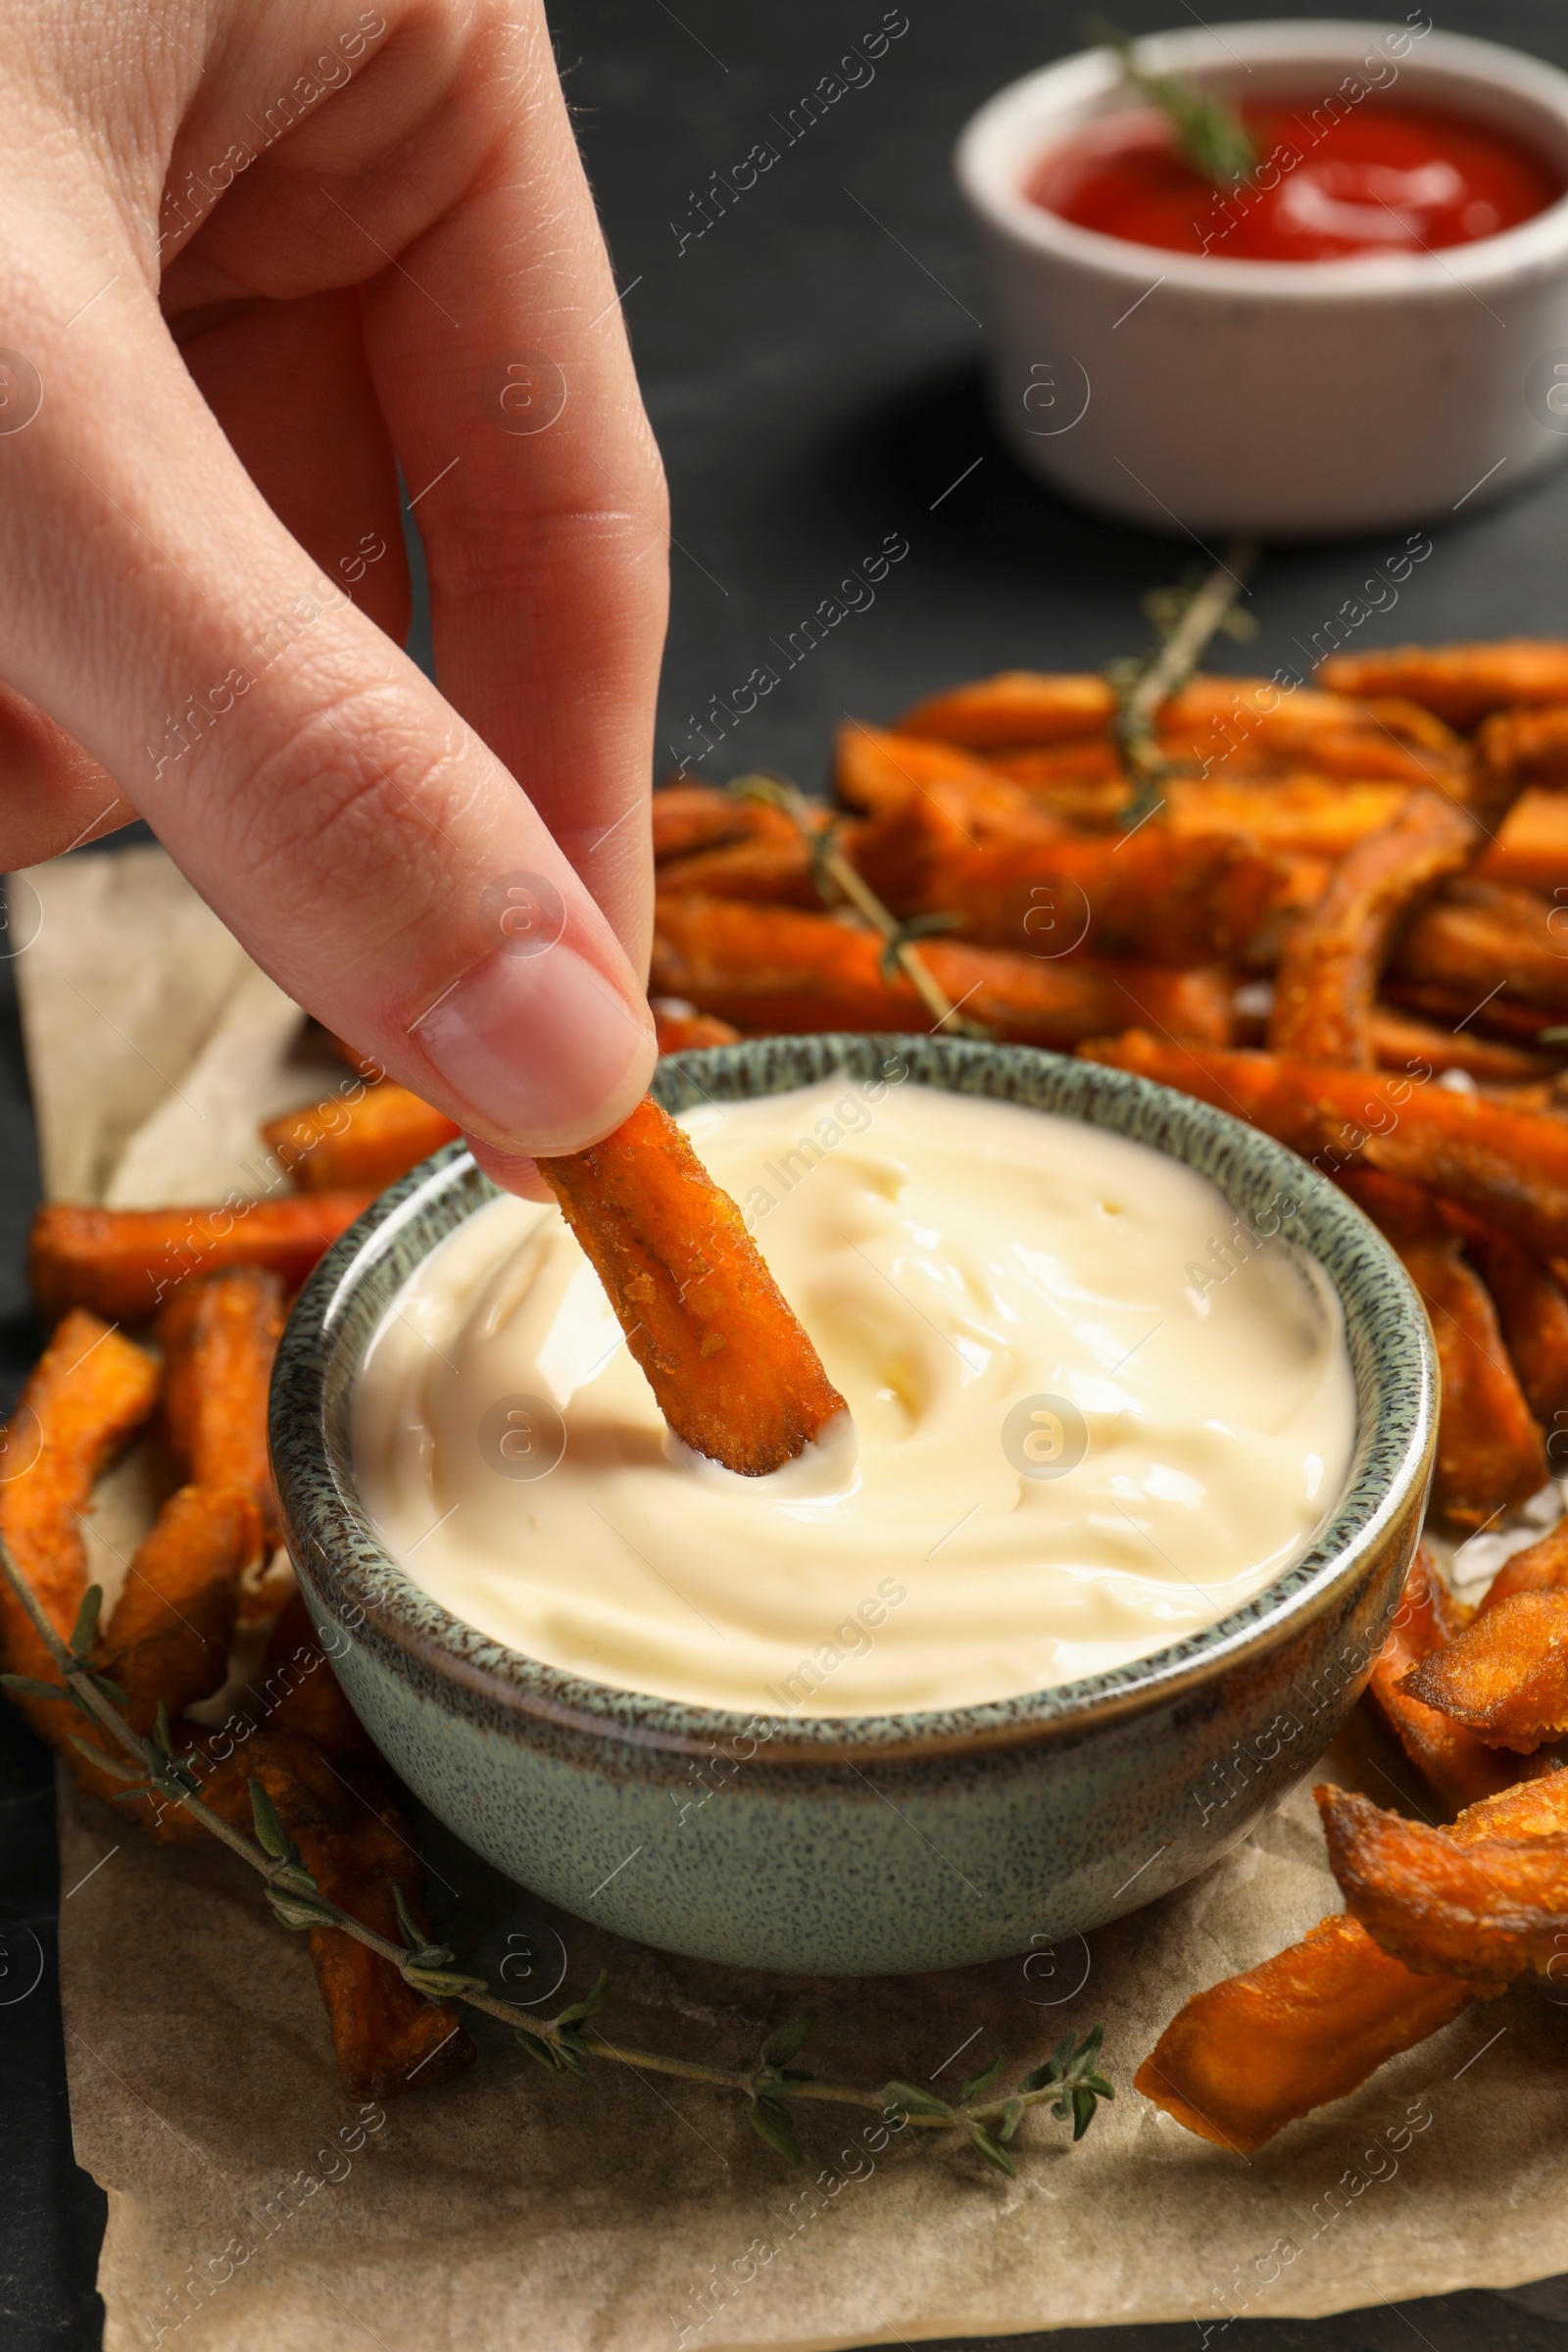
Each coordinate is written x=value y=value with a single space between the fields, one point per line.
x=812 y=365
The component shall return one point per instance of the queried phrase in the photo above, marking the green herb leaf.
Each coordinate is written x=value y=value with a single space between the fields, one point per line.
x=163 y=1733
x=1012 y=2115
x=1084 y=2104
x=772 y=2122
x=569 y=2051
x=116 y=1766
x=1071 y=2066
x=111 y=1691
x=442 y=1983
x=28 y=1685
x=1210 y=131
x=270 y=1834
x=992 y=2154
x=918 y=927
x=84 y=1632
x=981 y=2082
x=298 y=1911
x=783 y=2042
x=595 y=2001
x=538 y=2049
x=412 y=1936
x=917 y=2102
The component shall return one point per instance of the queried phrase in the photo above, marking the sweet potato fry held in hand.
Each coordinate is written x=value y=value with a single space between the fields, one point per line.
x=1487 y=1898
x=87 y=1396
x=123 y=1263
x=734 y=1373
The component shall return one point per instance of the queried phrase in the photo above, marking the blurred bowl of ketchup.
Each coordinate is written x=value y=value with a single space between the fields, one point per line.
x=1368 y=329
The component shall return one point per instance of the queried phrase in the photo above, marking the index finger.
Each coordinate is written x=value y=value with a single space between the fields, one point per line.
x=501 y=360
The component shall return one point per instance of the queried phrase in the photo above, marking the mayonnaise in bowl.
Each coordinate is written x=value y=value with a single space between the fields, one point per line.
x=1090 y=1413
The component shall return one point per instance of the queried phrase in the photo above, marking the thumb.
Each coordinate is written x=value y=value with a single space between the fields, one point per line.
x=365 y=847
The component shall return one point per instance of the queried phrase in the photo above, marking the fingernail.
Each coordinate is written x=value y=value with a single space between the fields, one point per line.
x=544 y=1050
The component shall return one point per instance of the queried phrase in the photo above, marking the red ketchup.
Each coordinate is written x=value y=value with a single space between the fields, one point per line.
x=1328 y=184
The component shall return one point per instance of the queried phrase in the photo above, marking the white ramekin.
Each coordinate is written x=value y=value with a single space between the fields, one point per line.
x=1289 y=399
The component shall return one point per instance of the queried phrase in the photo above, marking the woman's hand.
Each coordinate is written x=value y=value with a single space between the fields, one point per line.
x=257 y=254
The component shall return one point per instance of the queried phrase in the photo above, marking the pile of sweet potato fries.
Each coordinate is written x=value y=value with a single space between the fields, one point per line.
x=733 y=1371
x=1334 y=915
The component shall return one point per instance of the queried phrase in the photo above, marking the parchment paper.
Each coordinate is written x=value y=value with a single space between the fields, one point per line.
x=250 y=2205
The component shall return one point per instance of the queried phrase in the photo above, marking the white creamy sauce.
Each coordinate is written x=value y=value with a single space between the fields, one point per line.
x=1090 y=1414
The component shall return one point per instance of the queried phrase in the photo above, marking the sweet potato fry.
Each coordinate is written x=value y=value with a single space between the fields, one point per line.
x=735 y=1375
x=1403 y=1041
x=1509 y=1168
x=1213 y=718
x=87 y=1396
x=1531 y=848
x=218 y=1335
x=1461 y=683
x=1540 y=1568
x=1328 y=973
x=299 y=1693
x=123 y=1263
x=334 y=1146
x=1523 y=746
x=1153 y=893
x=687 y=817
x=1460 y=1767
x=1504 y=1678
x=1240 y=726
x=1479 y=936
x=681 y=1029
x=1247 y=2056
x=1016 y=707
x=387 y=2037
x=1048 y=768
x=1532 y=1310
x=1491 y=1451
x=169 y=1634
x=778 y=873
x=794 y=973
x=1306 y=815
x=1487 y=1898
x=877 y=771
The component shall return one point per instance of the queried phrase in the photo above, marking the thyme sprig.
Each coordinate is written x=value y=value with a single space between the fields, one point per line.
x=1069 y=2082
x=1187 y=618
x=839 y=883
x=1209 y=130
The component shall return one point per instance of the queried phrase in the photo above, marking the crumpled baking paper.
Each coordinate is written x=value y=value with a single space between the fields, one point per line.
x=249 y=2204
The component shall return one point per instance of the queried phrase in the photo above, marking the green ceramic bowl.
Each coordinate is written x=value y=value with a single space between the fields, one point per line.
x=866 y=1844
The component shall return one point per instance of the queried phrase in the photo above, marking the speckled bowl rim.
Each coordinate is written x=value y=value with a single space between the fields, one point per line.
x=344 y=1557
